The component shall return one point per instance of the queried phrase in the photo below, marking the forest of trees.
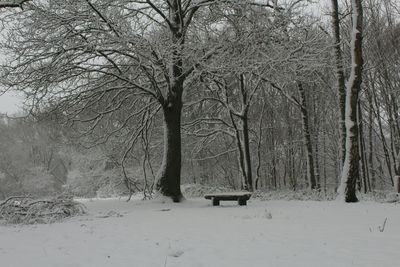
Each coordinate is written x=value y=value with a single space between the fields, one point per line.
x=125 y=95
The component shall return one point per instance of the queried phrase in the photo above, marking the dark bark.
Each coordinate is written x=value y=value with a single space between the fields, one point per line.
x=272 y=149
x=396 y=123
x=362 y=150
x=307 y=138
x=316 y=145
x=340 y=80
x=246 y=140
x=353 y=171
x=324 y=162
x=246 y=150
x=290 y=150
x=169 y=175
x=371 y=145
x=351 y=168
x=260 y=135
x=240 y=151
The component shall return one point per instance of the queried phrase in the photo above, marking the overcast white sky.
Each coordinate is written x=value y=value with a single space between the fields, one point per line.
x=10 y=103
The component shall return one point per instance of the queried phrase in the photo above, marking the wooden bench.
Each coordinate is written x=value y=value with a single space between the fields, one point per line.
x=240 y=197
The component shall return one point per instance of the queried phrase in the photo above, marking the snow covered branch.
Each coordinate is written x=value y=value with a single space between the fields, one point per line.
x=15 y=3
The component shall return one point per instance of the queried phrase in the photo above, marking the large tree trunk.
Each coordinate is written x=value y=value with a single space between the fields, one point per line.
x=340 y=81
x=169 y=175
x=351 y=172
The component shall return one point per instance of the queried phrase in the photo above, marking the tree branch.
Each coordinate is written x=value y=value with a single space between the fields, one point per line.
x=15 y=3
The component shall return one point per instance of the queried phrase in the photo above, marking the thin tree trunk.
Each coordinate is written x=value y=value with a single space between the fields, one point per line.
x=307 y=138
x=290 y=148
x=260 y=135
x=246 y=140
x=246 y=150
x=351 y=172
x=362 y=150
x=324 y=160
x=240 y=150
x=316 y=145
x=293 y=176
x=340 y=80
x=371 y=143
x=396 y=123
x=273 y=153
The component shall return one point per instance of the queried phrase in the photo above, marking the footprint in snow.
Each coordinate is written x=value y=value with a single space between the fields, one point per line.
x=175 y=253
x=165 y=209
x=111 y=213
x=267 y=215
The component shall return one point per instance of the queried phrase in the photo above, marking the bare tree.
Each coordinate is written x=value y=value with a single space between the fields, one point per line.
x=121 y=51
x=93 y=59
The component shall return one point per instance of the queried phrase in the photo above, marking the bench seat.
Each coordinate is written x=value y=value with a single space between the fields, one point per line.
x=240 y=197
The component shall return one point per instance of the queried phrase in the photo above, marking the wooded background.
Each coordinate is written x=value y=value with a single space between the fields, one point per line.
x=253 y=90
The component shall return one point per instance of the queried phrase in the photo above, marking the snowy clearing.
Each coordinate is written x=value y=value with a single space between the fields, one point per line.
x=264 y=233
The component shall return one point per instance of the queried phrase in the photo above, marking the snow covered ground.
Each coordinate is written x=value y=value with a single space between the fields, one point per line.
x=148 y=233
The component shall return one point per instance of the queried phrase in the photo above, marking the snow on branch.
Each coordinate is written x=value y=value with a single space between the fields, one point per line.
x=15 y=3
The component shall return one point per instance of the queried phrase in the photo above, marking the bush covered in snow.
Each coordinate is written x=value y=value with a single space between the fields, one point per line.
x=315 y=195
x=380 y=196
x=93 y=175
x=294 y=195
x=95 y=183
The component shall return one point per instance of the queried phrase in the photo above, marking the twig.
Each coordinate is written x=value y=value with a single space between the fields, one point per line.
x=382 y=229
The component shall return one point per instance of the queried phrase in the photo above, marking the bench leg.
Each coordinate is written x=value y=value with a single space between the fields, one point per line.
x=242 y=202
x=215 y=201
